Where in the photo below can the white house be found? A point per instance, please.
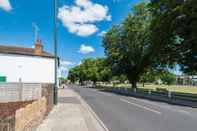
(28, 65)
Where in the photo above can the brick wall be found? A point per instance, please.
(7, 123)
(16, 116)
(7, 114)
(47, 92)
(25, 115)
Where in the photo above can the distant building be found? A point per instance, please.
(28, 65)
(187, 80)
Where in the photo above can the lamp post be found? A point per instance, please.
(55, 50)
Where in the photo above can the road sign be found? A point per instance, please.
(2, 78)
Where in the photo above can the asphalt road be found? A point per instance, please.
(121, 113)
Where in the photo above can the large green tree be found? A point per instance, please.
(174, 27)
(128, 45)
(91, 70)
(77, 74)
(104, 70)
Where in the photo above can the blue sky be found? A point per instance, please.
(80, 27)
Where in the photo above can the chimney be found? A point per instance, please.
(38, 50)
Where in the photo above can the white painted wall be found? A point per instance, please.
(30, 69)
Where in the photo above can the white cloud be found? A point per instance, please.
(85, 49)
(82, 17)
(102, 33)
(5, 5)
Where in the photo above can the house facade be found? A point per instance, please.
(187, 80)
(27, 65)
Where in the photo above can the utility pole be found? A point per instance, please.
(55, 50)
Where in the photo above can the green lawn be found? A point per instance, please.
(174, 88)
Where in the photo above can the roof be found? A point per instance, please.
(23, 51)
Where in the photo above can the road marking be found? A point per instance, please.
(151, 102)
(184, 112)
(94, 114)
(107, 94)
(169, 107)
(140, 106)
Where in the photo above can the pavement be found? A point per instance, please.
(71, 114)
(123, 113)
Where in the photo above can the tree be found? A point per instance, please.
(77, 74)
(167, 77)
(128, 46)
(174, 27)
(91, 70)
(62, 80)
(149, 76)
(104, 70)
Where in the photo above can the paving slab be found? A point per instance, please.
(71, 114)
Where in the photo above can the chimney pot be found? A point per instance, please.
(38, 47)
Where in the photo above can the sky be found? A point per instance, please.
(81, 24)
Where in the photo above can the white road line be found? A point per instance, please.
(150, 103)
(169, 107)
(107, 94)
(184, 112)
(140, 106)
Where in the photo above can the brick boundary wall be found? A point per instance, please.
(27, 111)
(47, 92)
(7, 123)
(25, 115)
(7, 114)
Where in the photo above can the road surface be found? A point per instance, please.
(121, 113)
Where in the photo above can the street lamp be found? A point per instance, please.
(55, 50)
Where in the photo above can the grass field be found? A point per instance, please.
(174, 88)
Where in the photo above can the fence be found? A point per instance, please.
(22, 103)
(13, 92)
(185, 99)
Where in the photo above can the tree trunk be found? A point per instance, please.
(133, 80)
(134, 84)
(94, 83)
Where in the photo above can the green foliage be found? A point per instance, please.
(168, 78)
(62, 80)
(154, 36)
(76, 74)
(175, 28)
(165, 76)
(91, 70)
(120, 79)
(128, 46)
(149, 77)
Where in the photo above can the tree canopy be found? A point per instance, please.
(128, 46)
(91, 70)
(155, 36)
(174, 26)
